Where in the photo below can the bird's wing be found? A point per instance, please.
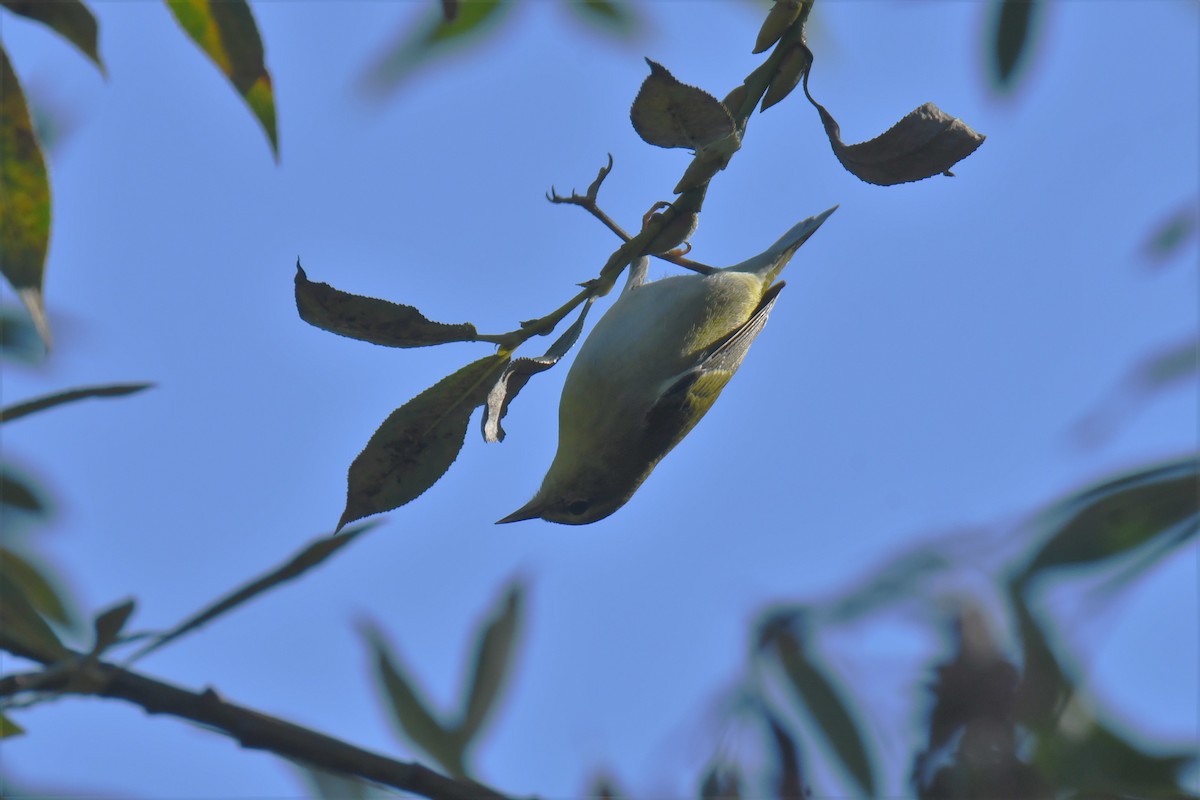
(694, 392)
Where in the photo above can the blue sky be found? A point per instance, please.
(919, 377)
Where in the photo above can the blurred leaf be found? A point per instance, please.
(1177, 362)
(1171, 234)
(432, 36)
(70, 19)
(25, 224)
(614, 17)
(783, 15)
(418, 442)
(22, 629)
(490, 666)
(450, 9)
(109, 624)
(815, 691)
(900, 578)
(604, 787)
(789, 777)
(314, 554)
(225, 30)
(38, 588)
(70, 396)
(17, 493)
(415, 721)
(1014, 23)
(794, 65)
(371, 320)
(721, 781)
(9, 728)
(19, 339)
(518, 373)
(668, 113)
(1044, 689)
(1117, 516)
(926, 142)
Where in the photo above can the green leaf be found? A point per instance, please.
(613, 17)
(22, 629)
(8, 727)
(829, 711)
(25, 223)
(370, 320)
(1014, 23)
(490, 666)
(418, 442)
(17, 493)
(38, 589)
(316, 553)
(1044, 688)
(411, 714)
(109, 624)
(70, 19)
(432, 36)
(1171, 234)
(788, 781)
(1118, 516)
(225, 30)
(69, 396)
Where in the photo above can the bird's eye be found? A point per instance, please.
(578, 507)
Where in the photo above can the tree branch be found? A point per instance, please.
(249, 728)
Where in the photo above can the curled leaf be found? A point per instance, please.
(225, 30)
(371, 320)
(1014, 23)
(490, 666)
(781, 17)
(518, 373)
(926, 142)
(70, 19)
(668, 113)
(792, 67)
(418, 442)
(25, 223)
(70, 396)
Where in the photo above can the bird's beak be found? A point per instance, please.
(771, 261)
(531, 510)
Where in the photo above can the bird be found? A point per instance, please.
(650, 369)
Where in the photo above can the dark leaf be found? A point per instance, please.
(25, 223)
(413, 718)
(518, 373)
(22, 629)
(1177, 362)
(789, 776)
(925, 143)
(490, 665)
(313, 555)
(38, 588)
(415, 446)
(1171, 234)
(8, 727)
(604, 787)
(721, 781)
(70, 19)
(1044, 688)
(667, 113)
(228, 35)
(1013, 25)
(608, 16)
(19, 338)
(450, 9)
(433, 35)
(783, 15)
(829, 711)
(69, 396)
(371, 320)
(1118, 516)
(17, 493)
(109, 624)
(792, 67)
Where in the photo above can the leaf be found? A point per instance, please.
(418, 442)
(17, 493)
(1171, 234)
(19, 338)
(1118, 516)
(518, 373)
(225, 30)
(22, 629)
(793, 66)
(1013, 26)
(70, 19)
(607, 16)
(783, 15)
(334, 786)
(69, 396)
(371, 320)
(789, 777)
(926, 142)
(814, 689)
(25, 224)
(490, 665)
(314, 554)
(8, 727)
(1044, 688)
(721, 781)
(432, 36)
(109, 624)
(415, 721)
(39, 590)
(667, 113)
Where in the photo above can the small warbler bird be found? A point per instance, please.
(650, 369)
